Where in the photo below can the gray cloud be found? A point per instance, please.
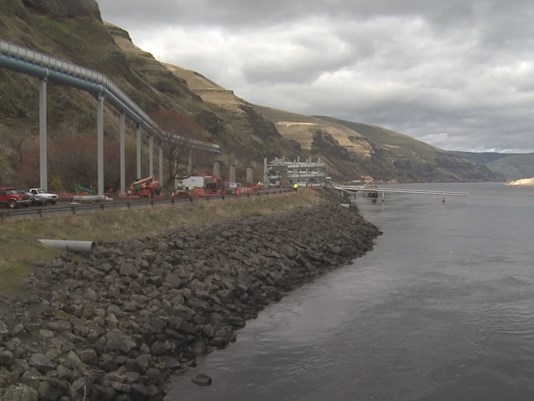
(257, 13)
(456, 74)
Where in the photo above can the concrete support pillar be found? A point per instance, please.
(265, 178)
(250, 178)
(231, 177)
(151, 156)
(122, 152)
(100, 143)
(43, 158)
(160, 173)
(138, 147)
(217, 169)
(284, 180)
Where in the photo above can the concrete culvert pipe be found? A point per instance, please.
(70, 246)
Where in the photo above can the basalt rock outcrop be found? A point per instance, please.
(114, 325)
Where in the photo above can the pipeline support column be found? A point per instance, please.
(100, 143)
(160, 164)
(232, 177)
(151, 156)
(250, 178)
(138, 143)
(43, 158)
(217, 169)
(122, 140)
(265, 177)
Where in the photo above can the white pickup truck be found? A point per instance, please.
(42, 197)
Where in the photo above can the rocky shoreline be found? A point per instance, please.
(116, 323)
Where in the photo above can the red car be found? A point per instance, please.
(11, 197)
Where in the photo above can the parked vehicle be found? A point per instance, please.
(42, 197)
(203, 185)
(191, 182)
(12, 198)
(31, 197)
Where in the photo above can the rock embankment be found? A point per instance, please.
(115, 324)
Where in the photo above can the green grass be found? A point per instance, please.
(20, 249)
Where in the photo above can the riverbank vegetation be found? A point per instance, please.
(20, 248)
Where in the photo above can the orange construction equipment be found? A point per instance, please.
(146, 187)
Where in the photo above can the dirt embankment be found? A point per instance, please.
(115, 324)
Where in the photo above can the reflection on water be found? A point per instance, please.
(442, 309)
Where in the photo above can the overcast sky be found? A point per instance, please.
(457, 74)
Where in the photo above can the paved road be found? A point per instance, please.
(65, 208)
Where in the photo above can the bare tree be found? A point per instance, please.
(16, 152)
(178, 131)
(5, 166)
(16, 141)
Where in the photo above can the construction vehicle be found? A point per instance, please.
(84, 189)
(203, 185)
(193, 181)
(146, 187)
(215, 186)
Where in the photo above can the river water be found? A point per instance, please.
(441, 309)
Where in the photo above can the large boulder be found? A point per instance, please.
(42, 362)
(20, 392)
(118, 341)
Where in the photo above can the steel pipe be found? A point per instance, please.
(69, 245)
(40, 65)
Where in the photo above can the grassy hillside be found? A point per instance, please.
(248, 129)
(513, 167)
(508, 166)
(73, 30)
(481, 157)
(375, 151)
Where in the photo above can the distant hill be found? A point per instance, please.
(513, 167)
(375, 151)
(73, 30)
(480, 157)
(510, 166)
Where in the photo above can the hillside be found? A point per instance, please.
(510, 166)
(375, 151)
(481, 157)
(349, 152)
(243, 135)
(513, 167)
(73, 30)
